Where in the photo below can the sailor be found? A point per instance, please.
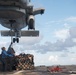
(5, 55)
(11, 50)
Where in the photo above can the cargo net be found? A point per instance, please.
(25, 62)
(19, 62)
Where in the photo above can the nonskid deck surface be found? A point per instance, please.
(36, 71)
(31, 73)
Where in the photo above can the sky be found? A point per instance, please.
(56, 44)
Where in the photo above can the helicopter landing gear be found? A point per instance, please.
(15, 40)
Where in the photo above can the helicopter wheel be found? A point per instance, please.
(15, 40)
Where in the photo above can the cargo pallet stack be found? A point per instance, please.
(20, 62)
(25, 62)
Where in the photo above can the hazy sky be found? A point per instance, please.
(57, 41)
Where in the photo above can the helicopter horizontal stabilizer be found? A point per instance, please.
(22, 33)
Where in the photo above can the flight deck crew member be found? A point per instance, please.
(5, 55)
(11, 50)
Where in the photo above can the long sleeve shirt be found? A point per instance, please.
(9, 47)
(11, 50)
(5, 54)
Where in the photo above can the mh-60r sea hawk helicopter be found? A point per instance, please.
(16, 15)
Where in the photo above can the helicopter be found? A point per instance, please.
(16, 15)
